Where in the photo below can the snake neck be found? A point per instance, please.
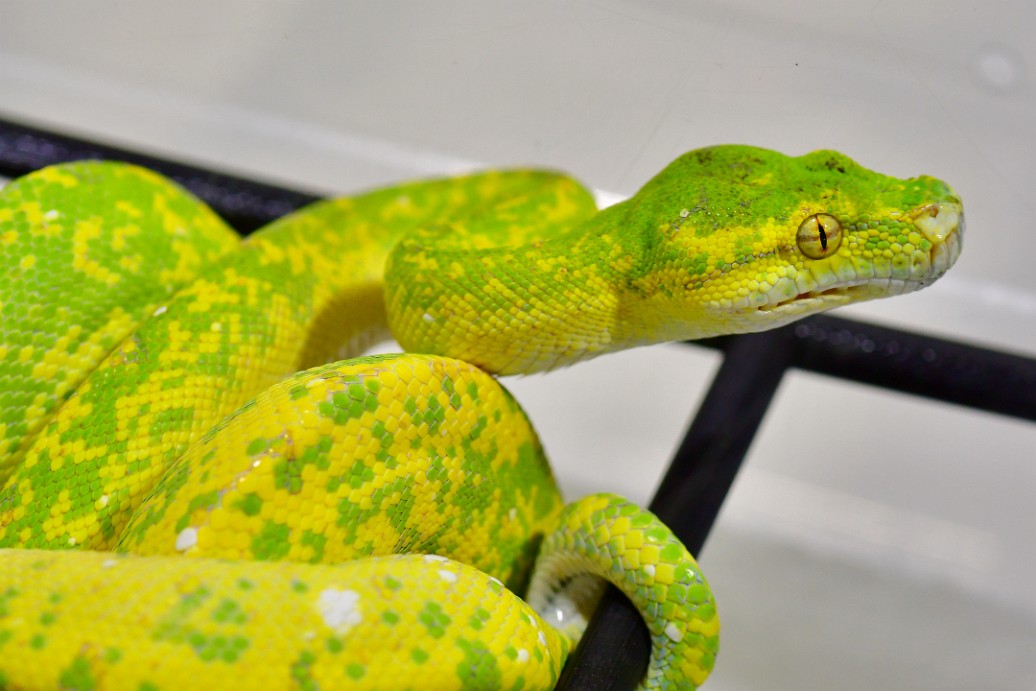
(542, 305)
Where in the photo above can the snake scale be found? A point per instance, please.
(201, 490)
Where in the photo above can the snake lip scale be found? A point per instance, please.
(196, 493)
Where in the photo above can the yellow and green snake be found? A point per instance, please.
(193, 497)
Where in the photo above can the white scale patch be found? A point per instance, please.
(433, 557)
(340, 609)
(523, 655)
(187, 538)
(674, 633)
(447, 576)
(160, 311)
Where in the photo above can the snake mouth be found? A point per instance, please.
(814, 300)
(839, 281)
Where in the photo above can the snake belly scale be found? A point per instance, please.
(192, 497)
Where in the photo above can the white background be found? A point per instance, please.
(874, 540)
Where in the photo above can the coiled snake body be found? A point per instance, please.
(364, 523)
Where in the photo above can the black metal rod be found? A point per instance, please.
(935, 368)
(613, 653)
(245, 204)
(700, 474)
(939, 369)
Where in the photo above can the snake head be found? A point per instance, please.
(746, 239)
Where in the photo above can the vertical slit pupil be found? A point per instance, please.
(823, 235)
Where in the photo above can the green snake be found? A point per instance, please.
(192, 496)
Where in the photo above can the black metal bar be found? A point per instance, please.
(940, 369)
(245, 204)
(935, 368)
(700, 474)
(613, 653)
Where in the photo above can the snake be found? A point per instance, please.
(207, 484)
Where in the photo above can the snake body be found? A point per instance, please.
(364, 523)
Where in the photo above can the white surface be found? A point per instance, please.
(874, 541)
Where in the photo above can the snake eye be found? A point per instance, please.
(819, 236)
